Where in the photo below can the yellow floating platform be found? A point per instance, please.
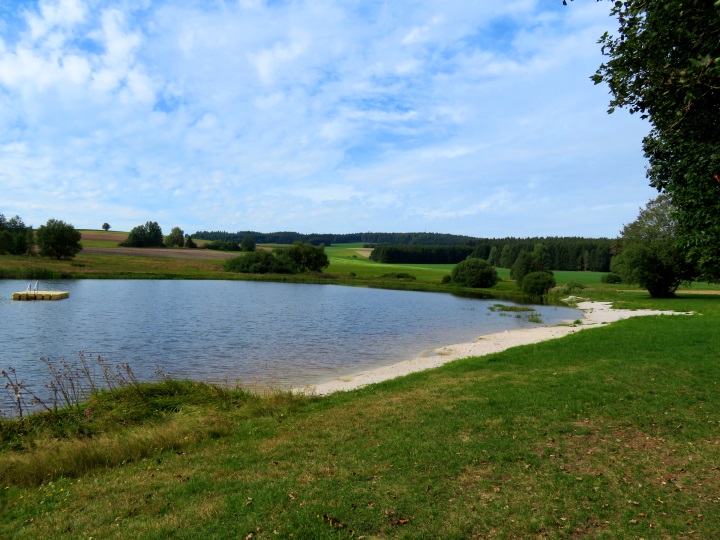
(40, 295)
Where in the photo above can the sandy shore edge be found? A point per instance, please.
(595, 314)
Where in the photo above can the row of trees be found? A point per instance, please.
(300, 257)
(54, 239)
(556, 253)
(286, 237)
(150, 235)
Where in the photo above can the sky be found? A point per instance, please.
(315, 116)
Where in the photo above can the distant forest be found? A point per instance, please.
(284, 237)
(591, 254)
(565, 253)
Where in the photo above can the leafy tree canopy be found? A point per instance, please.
(537, 283)
(476, 273)
(664, 64)
(176, 238)
(248, 243)
(15, 236)
(58, 239)
(525, 264)
(648, 252)
(148, 235)
(306, 257)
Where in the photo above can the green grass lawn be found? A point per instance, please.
(607, 433)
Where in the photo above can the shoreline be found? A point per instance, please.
(595, 314)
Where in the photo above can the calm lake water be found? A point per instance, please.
(255, 333)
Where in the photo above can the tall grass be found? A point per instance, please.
(105, 417)
(32, 273)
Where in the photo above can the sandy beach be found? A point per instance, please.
(595, 314)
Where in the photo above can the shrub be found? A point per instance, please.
(261, 262)
(611, 277)
(400, 275)
(306, 257)
(475, 273)
(537, 283)
(446, 279)
(525, 264)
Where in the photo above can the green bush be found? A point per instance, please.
(148, 235)
(525, 264)
(475, 273)
(261, 262)
(400, 275)
(611, 277)
(537, 283)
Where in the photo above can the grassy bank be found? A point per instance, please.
(608, 433)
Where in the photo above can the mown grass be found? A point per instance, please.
(607, 433)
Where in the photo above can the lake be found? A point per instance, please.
(279, 334)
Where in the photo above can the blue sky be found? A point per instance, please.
(325, 116)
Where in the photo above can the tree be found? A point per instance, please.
(475, 273)
(648, 252)
(525, 264)
(493, 256)
(261, 262)
(306, 257)
(537, 283)
(106, 227)
(58, 239)
(148, 235)
(543, 255)
(15, 236)
(176, 238)
(190, 243)
(248, 243)
(665, 65)
(506, 256)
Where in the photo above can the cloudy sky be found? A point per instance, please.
(327, 116)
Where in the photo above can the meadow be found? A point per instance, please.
(608, 433)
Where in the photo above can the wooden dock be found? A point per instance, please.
(40, 295)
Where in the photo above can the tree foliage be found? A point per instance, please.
(58, 239)
(648, 252)
(15, 236)
(300, 257)
(306, 257)
(665, 65)
(525, 264)
(106, 227)
(537, 283)
(248, 243)
(475, 273)
(176, 238)
(261, 262)
(148, 235)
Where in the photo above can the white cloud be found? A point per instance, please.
(315, 115)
